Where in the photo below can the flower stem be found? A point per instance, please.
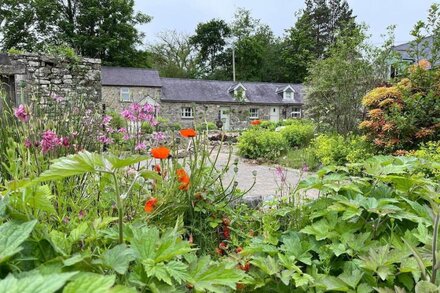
(120, 209)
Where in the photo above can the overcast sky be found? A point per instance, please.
(184, 15)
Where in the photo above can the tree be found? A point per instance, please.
(315, 32)
(211, 39)
(336, 85)
(173, 55)
(103, 29)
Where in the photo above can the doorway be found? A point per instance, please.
(275, 114)
(225, 118)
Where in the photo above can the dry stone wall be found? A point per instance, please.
(38, 75)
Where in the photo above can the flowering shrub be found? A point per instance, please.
(260, 143)
(406, 114)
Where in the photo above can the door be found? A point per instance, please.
(225, 118)
(274, 114)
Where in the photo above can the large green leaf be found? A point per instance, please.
(118, 258)
(12, 235)
(90, 283)
(77, 164)
(205, 275)
(118, 163)
(426, 287)
(40, 199)
(35, 283)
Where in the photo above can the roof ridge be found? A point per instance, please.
(130, 68)
(229, 81)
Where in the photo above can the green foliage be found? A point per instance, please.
(206, 126)
(90, 27)
(35, 282)
(338, 150)
(299, 158)
(298, 133)
(258, 143)
(12, 235)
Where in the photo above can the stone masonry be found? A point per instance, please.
(39, 75)
(111, 96)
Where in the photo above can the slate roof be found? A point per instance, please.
(405, 49)
(126, 76)
(215, 91)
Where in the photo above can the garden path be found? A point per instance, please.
(267, 183)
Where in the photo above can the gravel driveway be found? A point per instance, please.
(267, 183)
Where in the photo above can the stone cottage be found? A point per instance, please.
(25, 75)
(193, 101)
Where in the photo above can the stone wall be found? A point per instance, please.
(39, 75)
(111, 96)
(238, 113)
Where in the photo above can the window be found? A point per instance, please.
(288, 95)
(125, 94)
(296, 113)
(187, 112)
(253, 113)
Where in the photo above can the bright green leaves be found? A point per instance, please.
(35, 283)
(85, 162)
(118, 258)
(12, 235)
(78, 164)
(90, 283)
(209, 276)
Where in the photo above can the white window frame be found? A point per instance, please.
(187, 113)
(296, 113)
(253, 115)
(124, 94)
(289, 95)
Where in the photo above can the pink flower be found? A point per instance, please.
(49, 141)
(122, 130)
(22, 114)
(106, 120)
(137, 112)
(158, 137)
(65, 141)
(281, 173)
(140, 147)
(105, 140)
(56, 97)
(28, 143)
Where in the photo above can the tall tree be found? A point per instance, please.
(315, 32)
(103, 29)
(336, 85)
(211, 39)
(173, 55)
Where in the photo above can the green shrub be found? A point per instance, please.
(261, 143)
(206, 126)
(267, 124)
(147, 128)
(298, 132)
(335, 149)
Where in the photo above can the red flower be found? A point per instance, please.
(160, 152)
(246, 267)
(157, 169)
(223, 245)
(150, 205)
(226, 232)
(239, 249)
(256, 122)
(183, 178)
(189, 132)
(218, 251)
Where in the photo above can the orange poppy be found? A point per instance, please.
(189, 132)
(150, 205)
(160, 152)
(183, 178)
(256, 122)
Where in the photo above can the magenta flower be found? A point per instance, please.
(65, 141)
(158, 137)
(105, 140)
(106, 120)
(281, 173)
(22, 114)
(305, 168)
(140, 147)
(57, 98)
(28, 143)
(49, 141)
